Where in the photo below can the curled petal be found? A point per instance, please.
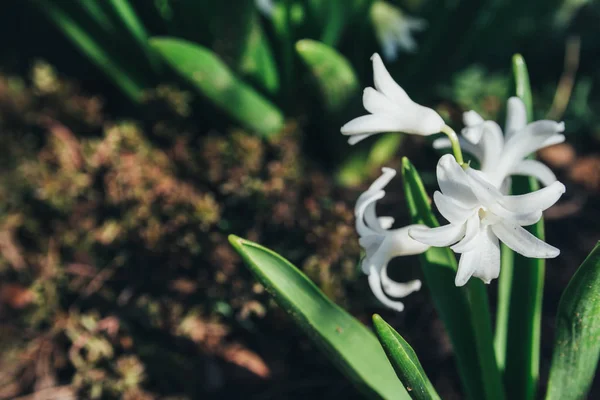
(538, 200)
(363, 228)
(535, 169)
(472, 230)
(454, 182)
(398, 289)
(489, 248)
(441, 236)
(467, 265)
(552, 140)
(516, 116)
(453, 212)
(375, 284)
(523, 242)
(352, 140)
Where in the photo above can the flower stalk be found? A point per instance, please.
(456, 150)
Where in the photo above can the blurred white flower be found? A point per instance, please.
(480, 215)
(266, 7)
(501, 156)
(381, 244)
(394, 29)
(391, 110)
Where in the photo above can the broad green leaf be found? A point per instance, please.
(212, 78)
(464, 311)
(350, 345)
(332, 72)
(129, 83)
(405, 361)
(577, 343)
(518, 321)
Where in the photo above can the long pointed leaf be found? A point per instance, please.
(352, 347)
(518, 331)
(577, 344)
(405, 361)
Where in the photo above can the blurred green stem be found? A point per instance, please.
(287, 53)
(455, 144)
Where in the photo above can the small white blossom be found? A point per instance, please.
(501, 156)
(381, 244)
(266, 7)
(480, 215)
(391, 110)
(394, 29)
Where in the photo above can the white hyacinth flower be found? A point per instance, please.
(394, 29)
(266, 7)
(480, 215)
(391, 110)
(381, 244)
(501, 156)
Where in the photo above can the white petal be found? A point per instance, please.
(467, 265)
(352, 140)
(523, 242)
(535, 169)
(516, 116)
(398, 289)
(375, 284)
(538, 200)
(489, 264)
(473, 126)
(363, 227)
(552, 140)
(453, 212)
(470, 240)
(386, 222)
(491, 143)
(399, 242)
(453, 181)
(386, 84)
(491, 198)
(376, 255)
(376, 103)
(375, 123)
(441, 236)
(473, 149)
(526, 141)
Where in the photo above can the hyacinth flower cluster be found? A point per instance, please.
(476, 202)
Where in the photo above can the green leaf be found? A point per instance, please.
(577, 343)
(99, 54)
(257, 61)
(518, 321)
(332, 72)
(464, 311)
(131, 24)
(350, 345)
(405, 361)
(212, 78)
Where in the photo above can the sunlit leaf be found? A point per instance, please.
(351, 346)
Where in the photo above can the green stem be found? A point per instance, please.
(455, 144)
(484, 339)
